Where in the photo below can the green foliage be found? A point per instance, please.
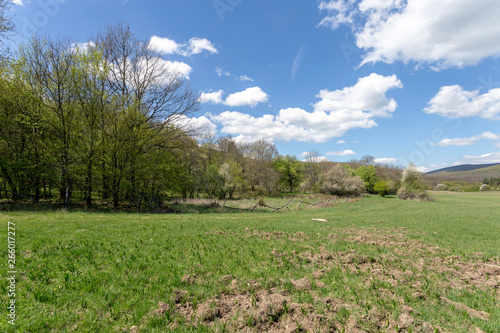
(369, 176)
(382, 188)
(290, 170)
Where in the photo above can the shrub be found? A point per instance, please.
(441, 187)
(485, 187)
(382, 188)
(416, 195)
(339, 181)
(412, 186)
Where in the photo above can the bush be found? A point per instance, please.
(441, 187)
(382, 188)
(412, 186)
(339, 181)
(416, 195)
(485, 187)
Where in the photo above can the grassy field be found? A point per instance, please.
(375, 265)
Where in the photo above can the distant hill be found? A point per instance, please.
(463, 167)
(467, 173)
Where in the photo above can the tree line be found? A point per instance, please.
(108, 121)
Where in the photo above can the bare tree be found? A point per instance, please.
(148, 93)
(259, 155)
(6, 26)
(312, 170)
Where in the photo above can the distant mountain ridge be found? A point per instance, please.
(462, 168)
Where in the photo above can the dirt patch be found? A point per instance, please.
(162, 308)
(262, 311)
(302, 284)
(295, 237)
(473, 313)
(189, 279)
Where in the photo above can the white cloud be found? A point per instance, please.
(483, 159)
(341, 153)
(212, 97)
(250, 96)
(221, 71)
(336, 113)
(164, 45)
(386, 160)
(155, 71)
(196, 126)
(497, 144)
(423, 169)
(489, 136)
(305, 158)
(194, 46)
(179, 67)
(198, 45)
(340, 142)
(457, 142)
(244, 78)
(18, 2)
(467, 141)
(454, 102)
(339, 12)
(439, 33)
(82, 47)
(366, 98)
(268, 127)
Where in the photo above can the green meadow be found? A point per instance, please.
(375, 265)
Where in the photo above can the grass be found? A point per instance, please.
(378, 261)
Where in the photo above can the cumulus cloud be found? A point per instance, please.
(340, 142)
(179, 67)
(417, 30)
(268, 127)
(194, 46)
(346, 152)
(198, 45)
(18, 2)
(248, 97)
(337, 112)
(196, 126)
(366, 96)
(164, 45)
(454, 102)
(386, 160)
(212, 97)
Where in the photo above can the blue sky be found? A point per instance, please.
(402, 80)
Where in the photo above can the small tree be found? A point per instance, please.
(290, 169)
(412, 186)
(382, 188)
(369, 176)
(338, 181)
